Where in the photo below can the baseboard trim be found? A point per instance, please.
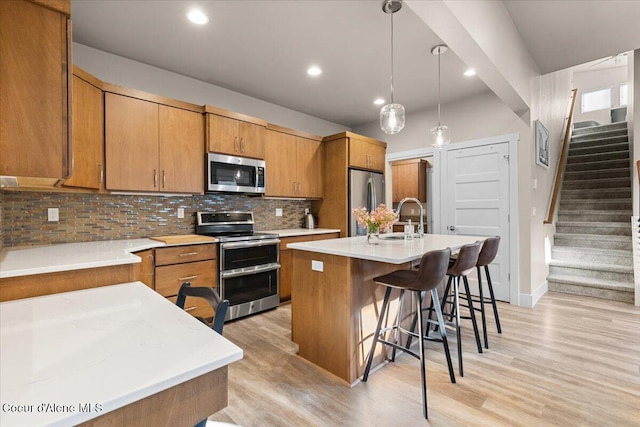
(530, 300)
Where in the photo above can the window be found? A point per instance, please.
(624, 90)
(599, 99)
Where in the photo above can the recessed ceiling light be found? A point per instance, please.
(470, 72)
(197, 17)
(378, 101)
(314, 70)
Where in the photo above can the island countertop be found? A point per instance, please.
(107, 347)
(393, 251)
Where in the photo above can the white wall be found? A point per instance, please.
(550, 100)
(586, 81)
(136, 75)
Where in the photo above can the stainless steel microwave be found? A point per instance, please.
(235, 174)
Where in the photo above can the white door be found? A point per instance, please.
(476, 203)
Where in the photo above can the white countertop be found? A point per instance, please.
(24, 261)
(109, 346)
(302, 231)
(390, 251)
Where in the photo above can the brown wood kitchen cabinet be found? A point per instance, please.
(409, 179)
(196, 264)
(152, 146)
(366, 153)
(234, 133)
(87, 124)
(35, 41)
(341, 152)
(286, 260)
(294, 164)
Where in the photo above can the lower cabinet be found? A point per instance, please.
(196, 264)
(286, 260)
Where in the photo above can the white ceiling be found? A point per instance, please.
(263, 48)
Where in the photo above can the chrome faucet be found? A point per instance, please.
(421, 224)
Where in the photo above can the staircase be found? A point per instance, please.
(592, 254)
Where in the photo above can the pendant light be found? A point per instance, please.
(391, 115)
(439, 135)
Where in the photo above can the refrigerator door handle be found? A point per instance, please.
(371, 195)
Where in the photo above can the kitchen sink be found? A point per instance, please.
(394, 236)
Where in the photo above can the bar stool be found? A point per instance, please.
(460, 267)
(487, 255)
(433, 267)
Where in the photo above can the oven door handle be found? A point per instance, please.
(236, 245)
(229, 274)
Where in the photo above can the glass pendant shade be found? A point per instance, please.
(392, 118)
(440, 136)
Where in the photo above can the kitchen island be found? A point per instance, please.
(114, 355)
(335, 303)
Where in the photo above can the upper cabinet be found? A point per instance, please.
(294, 162)
(366, 153)
(235, 134)
(152, 146)
(35, 44)
(409, 179)
(87, 130)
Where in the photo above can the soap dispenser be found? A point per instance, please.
(408, 230)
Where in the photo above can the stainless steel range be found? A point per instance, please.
(248, 262)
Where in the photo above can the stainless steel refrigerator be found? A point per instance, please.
(366, 189)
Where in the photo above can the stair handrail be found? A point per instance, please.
(568, 122)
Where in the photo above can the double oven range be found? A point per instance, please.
(248, 262)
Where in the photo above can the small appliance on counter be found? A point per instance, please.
(310, 221)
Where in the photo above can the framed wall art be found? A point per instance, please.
(542, 144)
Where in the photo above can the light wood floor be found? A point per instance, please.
(570, 361)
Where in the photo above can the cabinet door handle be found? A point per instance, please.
(181, 279)
(236, 148)
(242, 145)
(155, 178)
(164, 179)
(101, 173)
(188, 254)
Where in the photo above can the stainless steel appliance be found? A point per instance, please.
(235, 174)
(248, 262)
(366, 189)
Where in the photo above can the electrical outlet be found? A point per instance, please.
(306, 211)
(535, 184)
(53, 215)
(180, 212)
(534, 211)
(278, 211)
(413, 211)
(317, 265)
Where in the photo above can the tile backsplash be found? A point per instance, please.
(88, 217)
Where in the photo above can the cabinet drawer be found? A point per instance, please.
(196, 307)
(295, 239)
(189, 253)
(169, 278)
(326, 236)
